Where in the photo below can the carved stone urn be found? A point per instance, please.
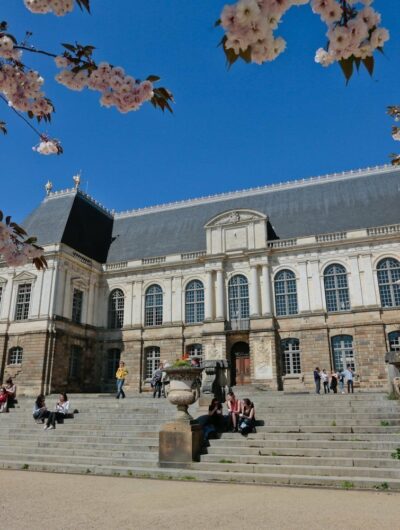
(184, 389)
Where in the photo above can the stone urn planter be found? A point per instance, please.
(184, 389)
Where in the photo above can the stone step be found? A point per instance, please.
(308, 444)
(122, 444)
(329, 429)
(327, 436)
(300, 470)
(303, 460)
(225, 452)
(84, 460)
(331, 422)
(100, 438)
(191, 475)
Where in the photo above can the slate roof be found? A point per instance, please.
(314, 206)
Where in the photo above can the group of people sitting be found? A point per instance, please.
(241, 417)
(334, 380)
(8, 395)
(42, 415)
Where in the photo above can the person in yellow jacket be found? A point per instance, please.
(122, 372)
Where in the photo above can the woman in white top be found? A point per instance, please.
(58, 415)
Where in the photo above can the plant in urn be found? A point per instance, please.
(184, 387)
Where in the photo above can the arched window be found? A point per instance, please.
(285, 293)
(388, 271)
(343, 353)
(194, 302)
(394, 341)
(336, 288)
(153, 306)
(290, 350)
(238, 294)
(116, 305)
(113, 358)
(15, 355)
(151, 361)
(195, 352)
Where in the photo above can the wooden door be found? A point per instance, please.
(242, 369)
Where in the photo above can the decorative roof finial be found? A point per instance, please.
(77, 179)
(48, 187)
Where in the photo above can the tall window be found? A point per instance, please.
(388, 271)
(194, 302)
(285, 293)
(343, 353)
(75, 361)
(113, 358)
(23, 301)
(238, 294)
(77, 302)
(336, 288)
(151, 361)
(195, 352)
(290, 350)
(394, 341)
(153, 312)
(116, 309)
(15, 355)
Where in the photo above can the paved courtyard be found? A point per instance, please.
(68, 502)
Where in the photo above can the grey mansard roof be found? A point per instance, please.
(313, 206)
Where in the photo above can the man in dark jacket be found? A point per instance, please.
(317, 380)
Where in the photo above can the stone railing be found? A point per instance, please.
(282, 243)
(116, 266)
(193, 255)
(383, 230)
(82, 259)
(152, 261)
(238, 324)
(335, 236)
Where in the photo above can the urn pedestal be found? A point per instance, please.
(180, 440)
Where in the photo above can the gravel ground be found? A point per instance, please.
(67, 502)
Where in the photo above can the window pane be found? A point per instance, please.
(116, 309)
(290, 350)
(285, 293)
(194, 302)
(336, 289)
(23, 301)
(238, 294)
(15, 356)
(152, 361)
(343, 354)
(153, 313)
(388, 272)
(77, 302)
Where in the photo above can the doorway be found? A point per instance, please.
(240, 364)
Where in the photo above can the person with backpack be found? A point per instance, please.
(156, 381)
(317, 380)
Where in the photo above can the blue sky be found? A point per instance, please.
(249, 126)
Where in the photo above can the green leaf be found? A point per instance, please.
(69, 47)
(369, 63)
(347, 67)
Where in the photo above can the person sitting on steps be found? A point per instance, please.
(59, 414)
(234, 408)
(247, 418)
(3, 400)
(215, 419)
(40, 412)
(11, 390)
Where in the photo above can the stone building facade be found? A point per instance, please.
(274, 281)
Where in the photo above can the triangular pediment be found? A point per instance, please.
(232, 217)
(24, 277)
(3, 280)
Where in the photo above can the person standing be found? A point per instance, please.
(349, 376)
(3, 400)
(156, 381)
(334, 382)
(122, 372)
(325, 380)
(341, 382)
(11, 390)
(317, 380)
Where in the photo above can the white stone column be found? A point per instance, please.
(266, 291)
(6, 302)
(36, 295)
(315, 285)
(67, 312)
(177, 313)
(303, 295)
(356, 299)
(220, 309)
(208, 296)
(368, 277)
(59, 289)
(167, 317)
(254, 293)
(137, 304)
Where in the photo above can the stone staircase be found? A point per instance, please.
(334, 440)
(327, 440)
